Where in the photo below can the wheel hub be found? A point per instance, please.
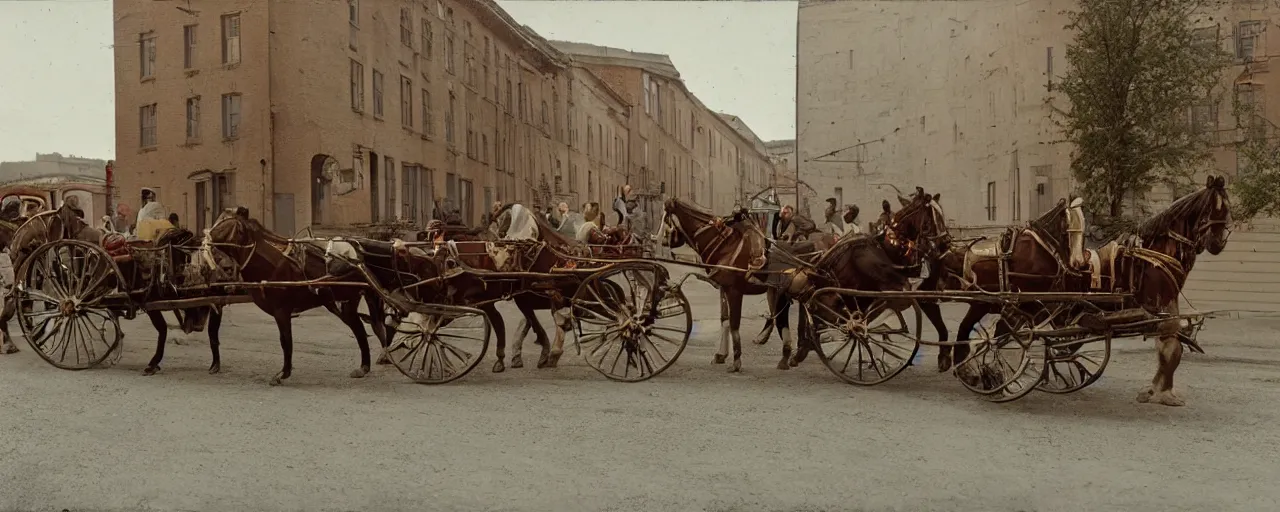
(67, 307)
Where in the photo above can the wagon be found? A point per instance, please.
(630, 322)
(1053, 342)
(70, 295)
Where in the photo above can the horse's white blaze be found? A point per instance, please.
(724, 337)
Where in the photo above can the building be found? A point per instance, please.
(955, 97)
(679, 147)
(52, 178)
(379, 110)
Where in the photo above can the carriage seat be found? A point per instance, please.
(984, 250)
(118, 247)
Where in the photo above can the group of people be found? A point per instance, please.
(790, 226)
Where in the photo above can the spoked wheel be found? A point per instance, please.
(1072, 364)
(64, 290)
(631, 326)
(438, 344)
(1006, 361)
(868, 341)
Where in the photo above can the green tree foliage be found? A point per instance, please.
(1256, 190)
(1135, 69)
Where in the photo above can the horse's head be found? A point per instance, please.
(919, 229)
(1213, 225)
(1199, 221)
(233, 233)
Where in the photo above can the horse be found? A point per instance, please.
(909, 238)
(1193, 224)
(1045, 255)
(263, 256)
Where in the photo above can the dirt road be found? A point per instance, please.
(695, 438)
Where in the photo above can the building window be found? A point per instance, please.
(353, 19)
(428, 124)
(484, 148)
(471, 136)
(389, 170)
(147, 126)
(193, 119)
(357, 86)
(189, 46)
(991, 200)
(1248, 39)
(377, 94)
(647, 87)
(1252, 111)
(448, 53)
(1204, 117)
(230, 116)
(427, 43)
(406, 28)
(147, 56)
(448, 119)
(1205, 38)
(231, 39)
(406, 102)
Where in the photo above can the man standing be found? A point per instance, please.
(789, 227)
(834, 224)
(620, 204)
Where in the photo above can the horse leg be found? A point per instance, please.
(1168, 357)
(284, 323)
(10, 306)
(500, 332)
(782, 319)
(933, 312)
(734, 299)
(215, 324)
(805, 344)
(350, 315)
(723, 351)
(960, 351)
(772, 299)
(377, 319)
(517, 348)
(561, 317)
(162, 333)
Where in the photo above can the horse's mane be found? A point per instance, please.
(1194, 203)
(1047, 223)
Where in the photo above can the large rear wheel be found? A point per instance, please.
(66, 291)
(865, 341)
(631, 325)
(437, 344)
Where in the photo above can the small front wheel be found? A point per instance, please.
(631, 325)
(437, 344)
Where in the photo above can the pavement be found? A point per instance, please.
(695, 438)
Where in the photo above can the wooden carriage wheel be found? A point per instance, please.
(630, 325)
(865, 342)
(436, 344)
(1007, 359)
(1074, 363)
(66, 296)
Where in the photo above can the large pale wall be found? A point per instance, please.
(956, 91)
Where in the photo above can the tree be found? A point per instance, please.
(1256, 190)
(1135, 70)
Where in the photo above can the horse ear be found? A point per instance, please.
(937, 197)
(1208, 182)
(1219, 182)
(885, 205)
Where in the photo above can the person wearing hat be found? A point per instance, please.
(851, 220)
(834, 224)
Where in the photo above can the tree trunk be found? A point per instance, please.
(1117, 204)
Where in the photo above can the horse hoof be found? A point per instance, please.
(278, 379)
(784, 365)
(794, 362)
(498, 367)
(553, 360)
(359, 372)
(719, 359)
(1162, 398)
(517, 362)
(10, 349)
(761, 341)
(213, 369)
(799, 358)
(735, 367)
(384, 359)
(150, 370)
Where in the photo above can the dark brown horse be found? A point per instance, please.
(264, 256)
(1045, 255)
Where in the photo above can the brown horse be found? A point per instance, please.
(263, 256)
(1046, 255)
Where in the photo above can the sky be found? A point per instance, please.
(56, 87)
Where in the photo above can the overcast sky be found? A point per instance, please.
(56, 85)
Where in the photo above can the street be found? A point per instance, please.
(694, 438)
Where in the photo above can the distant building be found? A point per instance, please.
(341, 112)
(680, 148)
(50, 179)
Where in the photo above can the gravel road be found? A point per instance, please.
(695, 438)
